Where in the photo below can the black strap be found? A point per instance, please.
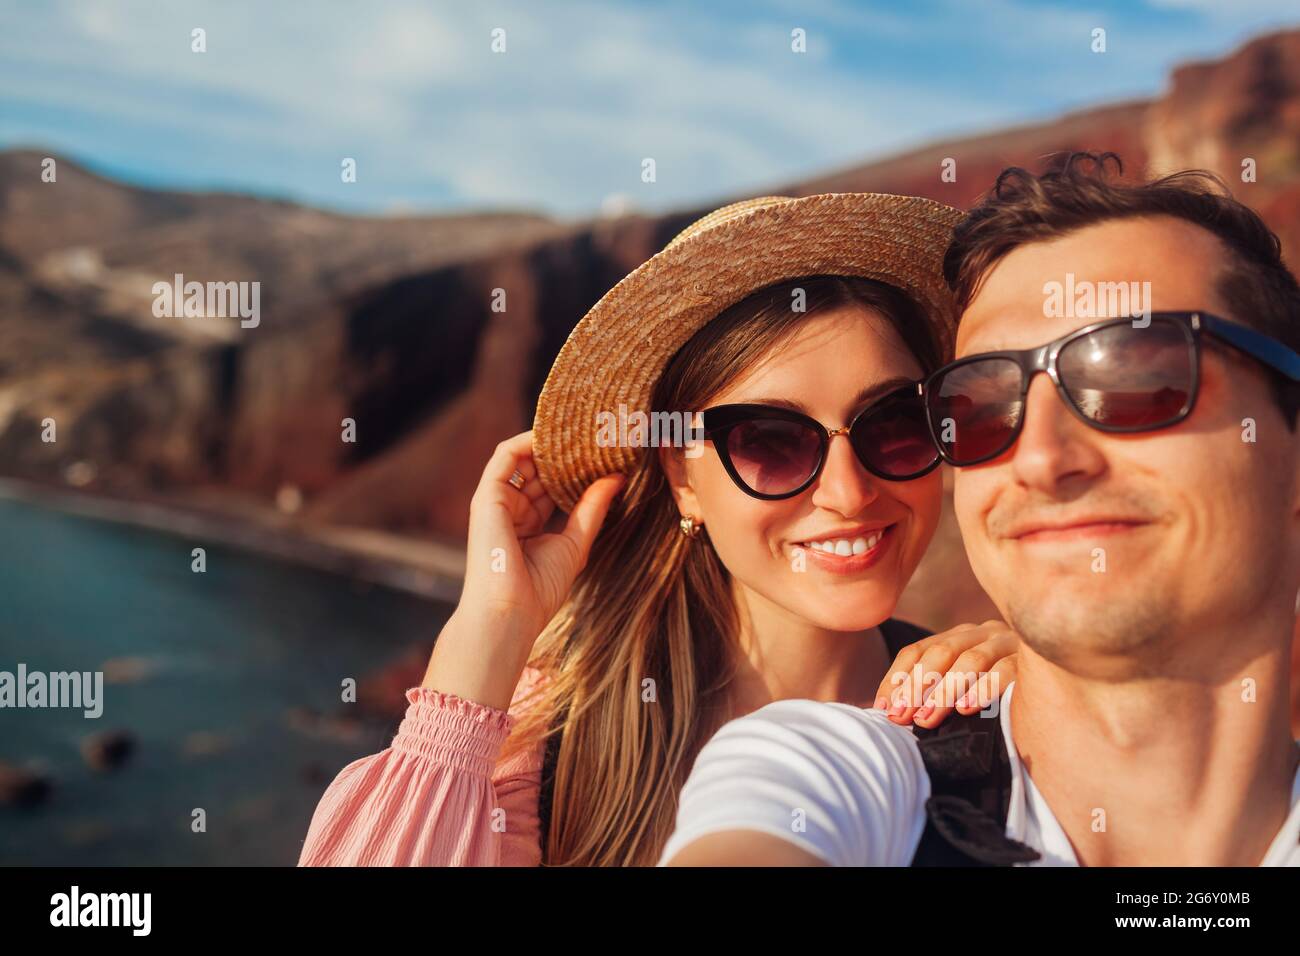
(898, 634)
(970, 793)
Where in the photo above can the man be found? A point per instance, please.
(1130, 500)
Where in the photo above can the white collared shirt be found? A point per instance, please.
(848, 786)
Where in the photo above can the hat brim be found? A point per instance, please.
(617, 352)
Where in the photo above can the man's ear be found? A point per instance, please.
(673, 461)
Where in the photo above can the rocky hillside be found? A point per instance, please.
(389, 321)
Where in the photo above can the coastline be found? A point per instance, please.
(429, 569)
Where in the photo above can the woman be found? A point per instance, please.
(761, 565)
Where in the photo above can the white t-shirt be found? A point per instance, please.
(848, 786)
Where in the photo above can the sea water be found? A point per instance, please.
(222, 658)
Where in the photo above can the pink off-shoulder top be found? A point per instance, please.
(439, 795)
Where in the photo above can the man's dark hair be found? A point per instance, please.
(1078, 190)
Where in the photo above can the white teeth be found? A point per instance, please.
(844, 547)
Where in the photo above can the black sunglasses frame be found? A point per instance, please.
(1194, 325)
(721, 419)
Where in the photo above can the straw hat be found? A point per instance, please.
(616, 354)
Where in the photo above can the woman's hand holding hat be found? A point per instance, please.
(516, 576)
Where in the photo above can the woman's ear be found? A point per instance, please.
(673, 461)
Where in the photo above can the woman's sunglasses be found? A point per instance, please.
(1116, 376)
(774, 453)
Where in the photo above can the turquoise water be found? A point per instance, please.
(227, 654)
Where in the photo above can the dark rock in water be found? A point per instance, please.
(108, 750)
(23, 787)
(314, 774)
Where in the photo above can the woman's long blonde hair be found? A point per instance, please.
(639, 659)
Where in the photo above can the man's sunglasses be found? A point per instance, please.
(774, 453)
(1116, 376)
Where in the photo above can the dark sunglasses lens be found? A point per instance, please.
(893, 440)
(1127, 377)
(975, 409)
(773, 457)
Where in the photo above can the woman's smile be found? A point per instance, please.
(850, 552)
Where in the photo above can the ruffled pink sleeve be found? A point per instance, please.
(438, 796)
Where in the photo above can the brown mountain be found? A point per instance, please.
(389, 321)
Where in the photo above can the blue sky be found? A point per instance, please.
(585, 90)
